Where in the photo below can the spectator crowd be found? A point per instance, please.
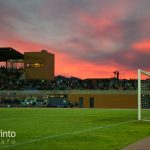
(10, 80)
(15, 100)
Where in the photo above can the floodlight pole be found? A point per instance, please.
(139, 94)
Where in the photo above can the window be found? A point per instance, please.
(35, 65)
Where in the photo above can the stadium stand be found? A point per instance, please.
(10, 80)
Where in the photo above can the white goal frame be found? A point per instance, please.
(140, 72)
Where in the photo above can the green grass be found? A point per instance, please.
(72, 129)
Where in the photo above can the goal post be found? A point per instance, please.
(143, 95)
(139, 94)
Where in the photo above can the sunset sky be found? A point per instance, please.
(90, 38)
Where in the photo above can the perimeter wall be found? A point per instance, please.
(88, 98)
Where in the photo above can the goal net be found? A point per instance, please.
(143, 95)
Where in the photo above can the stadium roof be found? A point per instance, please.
(8, 53)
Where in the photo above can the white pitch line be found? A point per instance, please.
(68, 133)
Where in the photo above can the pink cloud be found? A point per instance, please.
(142, 46)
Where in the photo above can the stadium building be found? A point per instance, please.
(29, 80)
(39, 65)
(35, 65)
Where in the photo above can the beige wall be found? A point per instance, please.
(107, 100)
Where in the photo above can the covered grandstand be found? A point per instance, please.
(11, 57)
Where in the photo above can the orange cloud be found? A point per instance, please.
(143, 46)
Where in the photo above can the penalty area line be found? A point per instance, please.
(67, 133)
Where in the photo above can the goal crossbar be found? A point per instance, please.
(144, 72)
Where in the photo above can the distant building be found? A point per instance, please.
(39, 65)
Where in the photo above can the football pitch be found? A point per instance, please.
(71, 129)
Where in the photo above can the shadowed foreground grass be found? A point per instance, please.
(71, 129)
